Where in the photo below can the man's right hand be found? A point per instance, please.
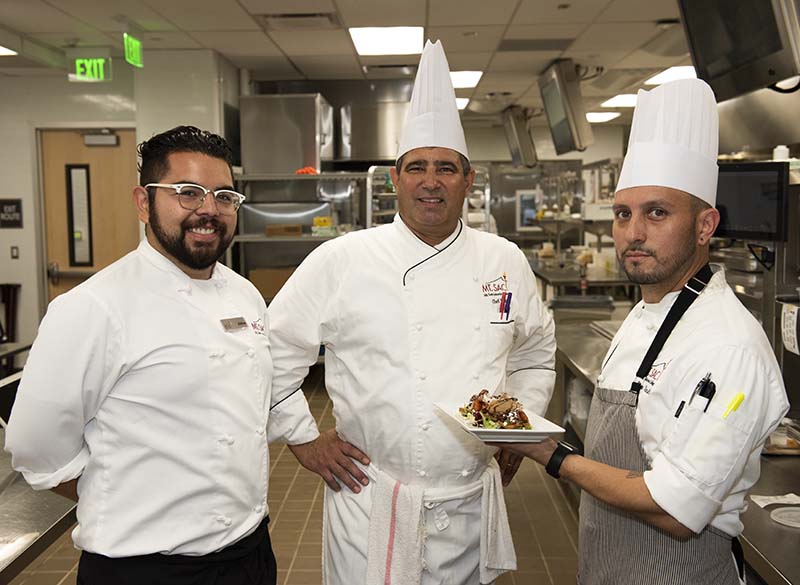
(332, 458)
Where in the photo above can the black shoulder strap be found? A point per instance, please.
(691, 290)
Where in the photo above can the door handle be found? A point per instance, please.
(55, 274)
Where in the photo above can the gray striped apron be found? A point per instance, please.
(616, 547)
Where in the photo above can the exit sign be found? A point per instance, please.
(133, 50)
(92, 69)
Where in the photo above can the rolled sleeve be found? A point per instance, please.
(703, 459)
(679, 496)
(71, 368)
(291, 421)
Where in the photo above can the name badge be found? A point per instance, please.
(233, 324)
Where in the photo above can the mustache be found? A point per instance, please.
(638, 248)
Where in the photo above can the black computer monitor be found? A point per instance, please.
(752, 199)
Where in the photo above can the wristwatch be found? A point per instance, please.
(563, 450)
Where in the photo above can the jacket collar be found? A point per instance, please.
(183, 282)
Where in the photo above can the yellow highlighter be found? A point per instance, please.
(734, 404)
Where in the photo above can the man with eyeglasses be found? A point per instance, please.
(146, 393)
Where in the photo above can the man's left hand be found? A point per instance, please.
(509, 464)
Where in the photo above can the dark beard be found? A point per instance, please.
(665, 268)
(198, 258)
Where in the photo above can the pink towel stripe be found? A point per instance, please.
(392, 524)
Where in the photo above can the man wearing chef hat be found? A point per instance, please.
(689, 389)
(420, 311)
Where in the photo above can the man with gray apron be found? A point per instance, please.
(690, 387)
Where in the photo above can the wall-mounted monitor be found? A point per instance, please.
(520, 142)
(563, 107)
(752, 199)
(741, 46)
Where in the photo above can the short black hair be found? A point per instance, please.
(155, 152)
(465, 166)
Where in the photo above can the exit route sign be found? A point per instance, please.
(133, 50)
(93, 69)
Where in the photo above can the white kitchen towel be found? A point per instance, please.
(394, 555)
(497, 547)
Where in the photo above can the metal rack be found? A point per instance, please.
(381, 198)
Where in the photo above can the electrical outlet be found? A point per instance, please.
(14, 252)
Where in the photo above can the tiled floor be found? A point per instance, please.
(543, 523)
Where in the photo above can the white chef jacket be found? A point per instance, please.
(134, 385)
(405, 325)
(701, 464)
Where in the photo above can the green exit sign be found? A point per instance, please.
(91, 69)
(133, 50)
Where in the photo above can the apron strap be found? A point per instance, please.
(691, 290)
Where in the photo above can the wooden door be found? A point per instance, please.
(90, 219)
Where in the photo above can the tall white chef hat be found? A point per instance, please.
(432, 118)
(674, 140)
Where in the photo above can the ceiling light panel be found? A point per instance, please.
(5, 52)
(387, 40)
(672, 74)
(465, 79)
(600, 117)
(623, 100)
(462, 103)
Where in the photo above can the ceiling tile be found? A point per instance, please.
(64, 40)
(547, 11)
(329, 67)
(545, 31)
(530, 100)
(466, 38)
(243, 44)
(468, 61)
(514, 84)
(467, 12)
(464, 92)
(530, 62)
(382, 12)
(288, 6)
(641, 60)
(317, 42)
(171, 40)
(615, 36)
(35, 16)
(32, 72)
(389, 60)
(605, 59)
(267, 68)
(114, 15)
(216, 15)
(637, 10)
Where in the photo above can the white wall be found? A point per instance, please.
(28, 103)
(489, 144)
(177, 88)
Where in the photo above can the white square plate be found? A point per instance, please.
(542, 428)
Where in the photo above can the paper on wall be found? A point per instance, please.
(789, 328)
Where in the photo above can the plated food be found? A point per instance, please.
(497, 411)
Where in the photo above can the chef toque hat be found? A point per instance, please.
(674, 140)
(432, 119)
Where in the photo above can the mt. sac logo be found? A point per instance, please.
(495, 287)
(258, 327)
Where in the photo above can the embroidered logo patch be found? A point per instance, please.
(495, 287)
(258, 327)
(652, 377)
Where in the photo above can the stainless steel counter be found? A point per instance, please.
(562, 273)
(771, 550)
(30, 521)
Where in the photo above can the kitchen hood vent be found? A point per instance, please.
(389, 71)
(300, 21)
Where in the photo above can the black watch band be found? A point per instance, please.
(563, 449)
